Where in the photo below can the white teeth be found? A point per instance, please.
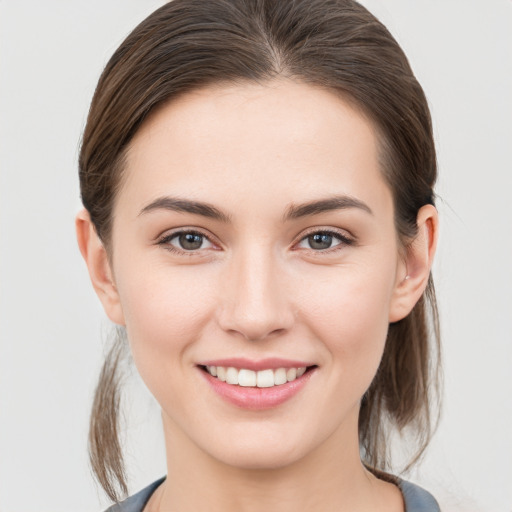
(291, 374)
(265, 379)
(280, 376)
(261, 379)
(246, 378)
(232, 375)
(221, 372)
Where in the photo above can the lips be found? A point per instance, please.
(257, 385)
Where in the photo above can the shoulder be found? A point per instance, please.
(416, 498)
(137, 502)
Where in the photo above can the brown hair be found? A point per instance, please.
(335, 44)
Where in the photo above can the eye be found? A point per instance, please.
(186, 241)
(323, 240)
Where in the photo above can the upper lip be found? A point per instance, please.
(269, 363)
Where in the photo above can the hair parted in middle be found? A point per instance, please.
(337, 45)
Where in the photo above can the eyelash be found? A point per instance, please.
(166, 239)
(343, 239)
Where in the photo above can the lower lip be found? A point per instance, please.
(257, 398)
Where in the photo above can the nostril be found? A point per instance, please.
(255, 308)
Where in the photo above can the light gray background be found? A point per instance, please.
(52, 327)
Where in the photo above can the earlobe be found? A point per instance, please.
(98, 264)
(413, 275)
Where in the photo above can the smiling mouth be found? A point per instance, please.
(259, 379)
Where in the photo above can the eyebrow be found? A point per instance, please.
(293, 212)
(325, 205)
(186, 206)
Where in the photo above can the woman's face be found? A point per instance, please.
(254, 230)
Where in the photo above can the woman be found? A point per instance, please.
(257, 177)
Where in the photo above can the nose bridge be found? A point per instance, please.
(255, 300)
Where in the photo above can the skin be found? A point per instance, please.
(256, 288)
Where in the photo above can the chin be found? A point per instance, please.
(262, 447)
(258, 458)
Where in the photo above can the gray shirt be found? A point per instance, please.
(416, 499)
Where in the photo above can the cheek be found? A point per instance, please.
(164, 313)
(349, 312)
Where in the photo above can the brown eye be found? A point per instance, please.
(190, 241)
(320, 241)
(187, 241)
(324, 240)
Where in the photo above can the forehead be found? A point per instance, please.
(278, 138)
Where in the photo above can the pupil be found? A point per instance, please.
(320, 241)
(191, 241)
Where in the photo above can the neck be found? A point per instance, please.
(331, 477)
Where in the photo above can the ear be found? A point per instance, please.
(414, 270)
(98, 264)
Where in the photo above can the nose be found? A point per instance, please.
(255, 301)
